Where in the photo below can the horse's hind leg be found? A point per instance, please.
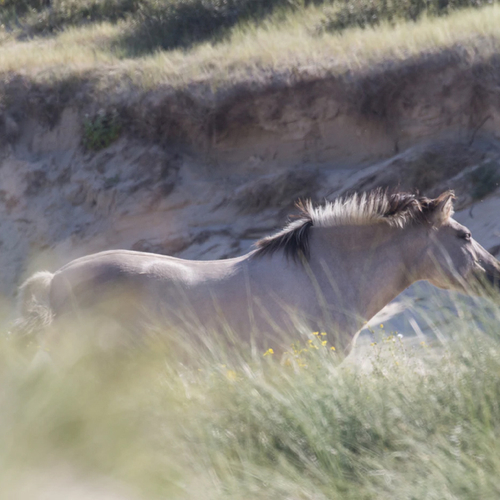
(35, 315)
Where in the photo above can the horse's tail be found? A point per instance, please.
(34, 309)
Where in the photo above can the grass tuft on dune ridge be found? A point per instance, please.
(284, 45)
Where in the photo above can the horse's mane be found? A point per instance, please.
(378, 206)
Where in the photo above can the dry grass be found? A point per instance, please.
(286, 46)
(78, 49)
(404, 419)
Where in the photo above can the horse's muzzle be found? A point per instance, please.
(493, 277)
(491, 273)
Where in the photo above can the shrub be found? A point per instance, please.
(102, 130)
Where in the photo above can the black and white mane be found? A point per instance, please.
(397, 210)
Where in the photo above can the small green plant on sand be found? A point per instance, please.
(101, 131)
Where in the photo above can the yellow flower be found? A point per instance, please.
(381, 325)
(332, 348)
(315, 333)
(311, 344)
(269, 352)
(323, 333)
(324, 342)
(296, 348)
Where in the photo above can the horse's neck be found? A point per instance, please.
(361, 268)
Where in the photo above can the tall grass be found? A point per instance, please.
(170, 24)
(285, 47)
(181, 23)
(402, 419)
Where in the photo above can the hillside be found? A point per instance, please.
(199, 151)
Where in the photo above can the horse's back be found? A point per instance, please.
(132, 279)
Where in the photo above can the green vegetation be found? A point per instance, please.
(116, 57)
(147, 43)
(101, 131)
(173, 23)
(402, 419)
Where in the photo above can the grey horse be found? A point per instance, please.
(330, 270)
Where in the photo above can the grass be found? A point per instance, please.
(181, 23)
(285, 45)
(404, 420)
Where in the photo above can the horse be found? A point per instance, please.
(331, 269)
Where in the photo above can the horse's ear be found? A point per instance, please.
(441, 208)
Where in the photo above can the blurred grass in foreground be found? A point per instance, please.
(419, 420)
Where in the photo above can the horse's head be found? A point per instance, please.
(454, 260)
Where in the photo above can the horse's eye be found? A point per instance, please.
(466, 236)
